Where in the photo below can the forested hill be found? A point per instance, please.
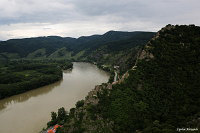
(65, 47)
(159, 95)
(55, 51)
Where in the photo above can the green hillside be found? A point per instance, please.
(61, 53)
(162, 94)
(121, 53)
(52, 46)
(40, 53)
(55, 52)
(158, 95)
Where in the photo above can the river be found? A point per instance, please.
(29, 112)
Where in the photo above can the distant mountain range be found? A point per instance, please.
(67, 47)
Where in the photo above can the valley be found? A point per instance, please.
(150, 80)
(30, 111)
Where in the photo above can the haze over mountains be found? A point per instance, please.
(62, 47)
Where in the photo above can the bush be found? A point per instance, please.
(80, 104)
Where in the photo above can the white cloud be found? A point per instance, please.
(28, 18)
(74, 29)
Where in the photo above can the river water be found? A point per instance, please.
(29, 112)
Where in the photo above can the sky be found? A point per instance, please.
(75, 18)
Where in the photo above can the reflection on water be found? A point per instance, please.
(30, 111)
(25, 96)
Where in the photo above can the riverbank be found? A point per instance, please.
(85, 112)
(22, 76)
(34, 107)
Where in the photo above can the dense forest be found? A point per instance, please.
(45, 47)
(23, 75)
(158, 90)
(109, 49)
(160, 94)
(33, 62)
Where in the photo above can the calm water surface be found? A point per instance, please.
(29, 112)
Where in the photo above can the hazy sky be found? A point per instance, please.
(30, 18)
